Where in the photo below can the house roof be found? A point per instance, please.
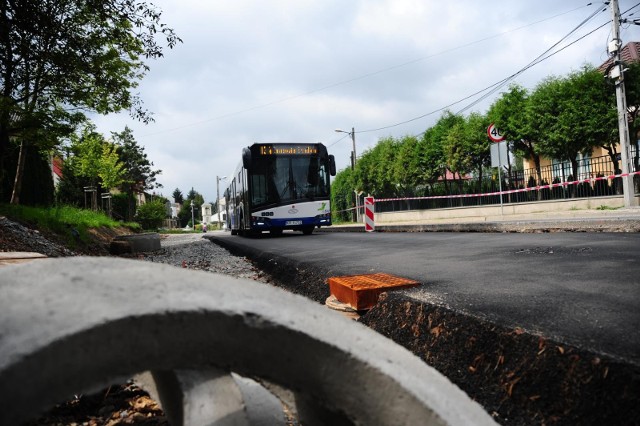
(629, 53)
(57, 166)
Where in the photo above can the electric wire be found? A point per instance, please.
(361, 77)
(496, 86)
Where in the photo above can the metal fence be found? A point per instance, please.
(595, 178)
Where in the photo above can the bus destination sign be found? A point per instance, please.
(288, 149)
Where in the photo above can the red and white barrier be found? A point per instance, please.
(369, 224)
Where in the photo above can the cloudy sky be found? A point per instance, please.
(296, 70)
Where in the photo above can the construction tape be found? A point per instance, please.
(510, 191)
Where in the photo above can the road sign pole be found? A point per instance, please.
(494, 134)
(500, 179)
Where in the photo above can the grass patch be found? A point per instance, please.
(68, 222)
(603, 207)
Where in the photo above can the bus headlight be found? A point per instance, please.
(323, 218)
(260, 221)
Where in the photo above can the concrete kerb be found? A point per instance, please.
(80, 324)
(135, 243)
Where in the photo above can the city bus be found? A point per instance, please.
(280, 186)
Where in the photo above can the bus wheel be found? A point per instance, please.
(234, 232)
(275, 232)
(307, 230)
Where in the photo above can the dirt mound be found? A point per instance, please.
(16, 236)
(519, 378)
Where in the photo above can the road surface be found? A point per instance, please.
(579, 288)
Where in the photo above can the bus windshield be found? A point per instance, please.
(285, 179)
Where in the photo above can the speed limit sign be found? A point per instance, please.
(494, 133)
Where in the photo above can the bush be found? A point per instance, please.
(150, 215)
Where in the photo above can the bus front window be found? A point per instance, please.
(285, 179)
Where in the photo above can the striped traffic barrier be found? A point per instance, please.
(369, 224)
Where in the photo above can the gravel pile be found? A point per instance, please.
(15, 237)
(203, 255)
(182, 250)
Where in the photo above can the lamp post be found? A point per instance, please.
(193, 222)
(218, 179)
(352, 133)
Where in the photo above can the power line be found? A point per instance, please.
(364, 76)
(544, 56)
(496, 86)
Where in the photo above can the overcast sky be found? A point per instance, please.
(296, 70)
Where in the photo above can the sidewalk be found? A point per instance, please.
(484, 220)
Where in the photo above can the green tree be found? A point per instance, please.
(478, 144)
(375, 168)
(406, 167)
(432, 159)
(151, 214)
(454, 150)
(509, 114)
(184, 215)
(59, 57)
(342, 195)
(111, 169)
(138, 173)
(572, 115)
(467, 148)
(95, 159)
(177, 196)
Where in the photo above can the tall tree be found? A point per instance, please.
(572, 115)
(467, 147)
(185, 212)
(509, 114)
(61, 57)
(139, 175)
(177, 196)
(95, 159)
(342, 195)
(406, 167)
(478, 143)
(432, 158)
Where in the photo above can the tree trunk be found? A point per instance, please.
(536, 162)
(17, 183)
(574, 171)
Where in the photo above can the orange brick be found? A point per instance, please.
(361, 292)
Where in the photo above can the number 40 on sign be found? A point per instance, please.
(494, 133)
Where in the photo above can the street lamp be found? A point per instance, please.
(352, 133)
(218, 179)
(193, 222)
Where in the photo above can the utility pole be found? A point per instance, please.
(218, 179)
(353, 141)
(352, 133)
(617, 74)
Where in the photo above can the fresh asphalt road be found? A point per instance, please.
(578, 288)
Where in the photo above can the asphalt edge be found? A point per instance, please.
(579, 386)
(523, 226)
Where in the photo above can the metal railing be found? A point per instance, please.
(595, 178)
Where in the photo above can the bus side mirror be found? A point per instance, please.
(332, 165)
(246, 158)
